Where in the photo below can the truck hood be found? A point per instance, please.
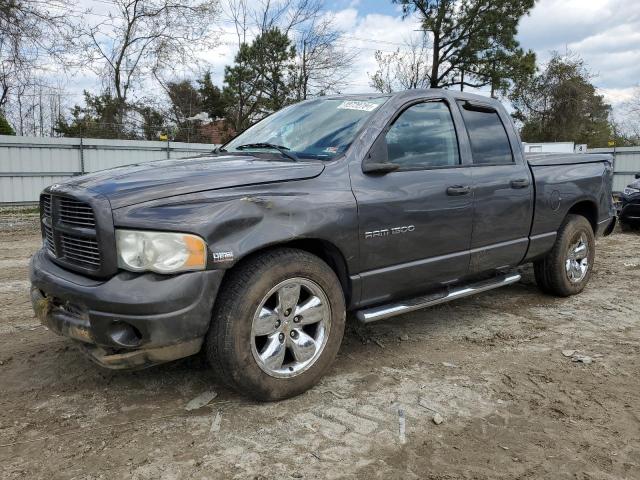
(125, 186)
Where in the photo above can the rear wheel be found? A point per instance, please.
(567, 267)
(278, 324)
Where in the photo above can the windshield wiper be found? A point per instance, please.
(283, 150)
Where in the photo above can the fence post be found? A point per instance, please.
(168, 151)
(81, 155)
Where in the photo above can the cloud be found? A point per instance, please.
(362, 33)
(605, 33)
(367, 34)
(617, 96)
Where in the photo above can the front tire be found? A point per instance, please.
(278, 323)
(566, 269)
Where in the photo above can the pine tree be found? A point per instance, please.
(211, 97)
(561, 104)
(261, 80)
(100, 117)
(473, 41)
(5, 128)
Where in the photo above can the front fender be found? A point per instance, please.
(238, 221)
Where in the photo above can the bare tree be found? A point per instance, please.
(286, 15)
(34, 108)
(237, 12)
(473, 42)
(30, 33)
(238, 96)
(628, 124)
(403, 69)
(140, 36)
(323, 63)
(634, 103)
(31, 41)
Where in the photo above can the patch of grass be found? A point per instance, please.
(26, 210)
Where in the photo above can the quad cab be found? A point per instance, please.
(372, 204)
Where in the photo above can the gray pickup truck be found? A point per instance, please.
(372, 204)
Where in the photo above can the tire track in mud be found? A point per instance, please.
(348, 426)
(15, 286)
(14, 263)
(502, 399)
(15, 318)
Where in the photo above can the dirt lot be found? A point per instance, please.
(513, 405)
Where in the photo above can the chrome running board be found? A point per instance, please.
(389, 310)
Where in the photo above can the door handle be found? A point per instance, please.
(519, 183)
(455, 190)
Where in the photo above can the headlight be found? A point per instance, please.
(631, 190)
(160, 252)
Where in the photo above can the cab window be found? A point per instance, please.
(487, 135)
(423, 136)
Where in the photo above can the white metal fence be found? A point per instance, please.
(29, 164)
(626, 164)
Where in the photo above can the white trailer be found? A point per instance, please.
(549, 147)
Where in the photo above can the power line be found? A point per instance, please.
(254, 25)
(343, 37)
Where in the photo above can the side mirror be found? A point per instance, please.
(377, 160)
(637, 176)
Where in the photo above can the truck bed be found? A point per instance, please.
(563, 182)
(549, 159)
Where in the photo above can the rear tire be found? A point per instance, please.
(277, 326)
(566, 269)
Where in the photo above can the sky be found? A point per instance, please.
(605, 33)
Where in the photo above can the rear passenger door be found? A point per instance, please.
(503, 191)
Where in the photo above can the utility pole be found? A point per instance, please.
(41, 115)
(21, 124)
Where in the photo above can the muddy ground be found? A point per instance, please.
(492, 366)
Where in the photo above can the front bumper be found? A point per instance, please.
(129, 321)
(630, 211)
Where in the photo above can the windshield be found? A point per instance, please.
(322, 128)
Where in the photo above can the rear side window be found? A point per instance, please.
(423, 136)
(488, 137)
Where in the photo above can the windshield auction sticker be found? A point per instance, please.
(356, 105)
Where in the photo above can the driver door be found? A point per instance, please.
(414, 222)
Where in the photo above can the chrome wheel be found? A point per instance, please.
(290, 327)
(577, 262)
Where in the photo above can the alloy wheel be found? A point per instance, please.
(577, 262)
(290, 327)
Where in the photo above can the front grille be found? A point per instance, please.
(74, 212)
(46, 205)
(80, 250)
(48, 239)
(70, 234)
